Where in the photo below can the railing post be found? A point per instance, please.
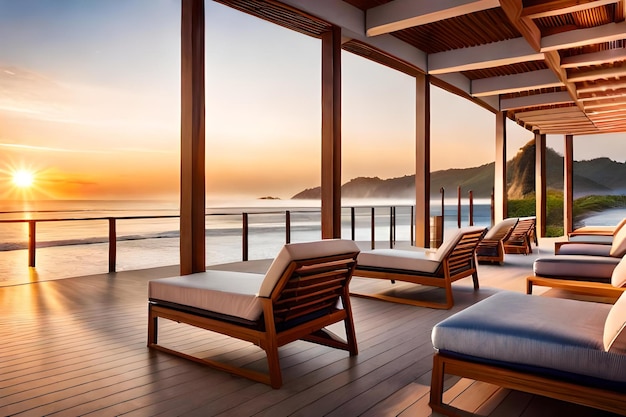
(287, 226)
(352, 223)
(412, 237)
(373, 231)
(391, 226)
(32, 242)
(244, 238)
(112, 245)
(458, 209)
(471, 208)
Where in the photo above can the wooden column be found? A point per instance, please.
(500, 191)
(540, 183)
(568, 185)
(422, 161)
(331, 134)
(192, 168)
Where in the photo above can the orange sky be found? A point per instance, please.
(89, 101)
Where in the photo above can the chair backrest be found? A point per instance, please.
(501, 230)
(618, 247)
(451, 243)
(523, 229)
(307, 279)
(462, 256)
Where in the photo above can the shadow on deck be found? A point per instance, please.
(77, 346)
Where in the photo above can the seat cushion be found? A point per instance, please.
(224, 292)
(589, 268)
(418, 260)
(549, 333)
(585, 249)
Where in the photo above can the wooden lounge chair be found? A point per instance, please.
(521, 237)
(597, 230)
(455, 259)
(304, 290)
(491, 247)
(570, 350)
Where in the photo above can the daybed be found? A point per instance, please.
(570, 350)
(584, 268)
(491, 247)
(453, 260)
(581, 243)
(304, 290)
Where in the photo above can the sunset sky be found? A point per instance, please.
(89, 103)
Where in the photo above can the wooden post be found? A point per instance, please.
(540, 183)
(373, 228)
(245, 230)
(500, 189)
(32, 242)
(568, 185)
(287, 226)
(112, 245)
(471, 208)
(331, 133)
(422, 160)
(458, 206)
(192, 178)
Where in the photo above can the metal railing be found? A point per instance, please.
(245, 229)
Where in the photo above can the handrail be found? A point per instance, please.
(112, 228)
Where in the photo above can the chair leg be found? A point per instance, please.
(475, 281)
(436, 384)
(529, 286)
(276, 379)
(153, 326)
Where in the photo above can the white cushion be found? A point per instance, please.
(500, 228)
(409, 260)
(591, 249)
(618, 278)
(621, 224)
(614, 328)
(618, 248)
(302, 251)
(451, 241)
(224, 292)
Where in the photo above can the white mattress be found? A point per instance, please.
(553, 333)
(225, 292)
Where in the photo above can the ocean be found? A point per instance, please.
(80, 247)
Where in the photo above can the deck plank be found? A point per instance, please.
(77, 346)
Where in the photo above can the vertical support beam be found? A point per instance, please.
(422, 160)
(500, 192)
(331, 133)
(192, 167)
(568, 185)
(540, 183)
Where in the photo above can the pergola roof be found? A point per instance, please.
(553, 66)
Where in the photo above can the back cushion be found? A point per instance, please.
(614, 327)
(618, 278)
(501, 228)
(618, 248)
(619, 226)
(301, 251)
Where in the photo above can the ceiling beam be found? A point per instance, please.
(529, 30)
(527, 81)
(560, 7)
(402, 14)
(553, 60)
(595, 58)
(535, 100)
(604, 73)
(582, 37)
(601, 85)
(491, 55)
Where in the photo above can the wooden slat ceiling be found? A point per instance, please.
(555, 66)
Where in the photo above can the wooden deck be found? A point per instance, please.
(77, 346)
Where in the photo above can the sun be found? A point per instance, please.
(23, 178)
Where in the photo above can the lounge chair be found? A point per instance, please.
(589, 238)
(521, 237)
(304, 290)
(570, 350)
(597, 230)
(453, 260)
(491, 247)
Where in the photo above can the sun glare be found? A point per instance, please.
(23, 179)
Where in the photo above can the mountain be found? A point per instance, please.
(597, 176)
